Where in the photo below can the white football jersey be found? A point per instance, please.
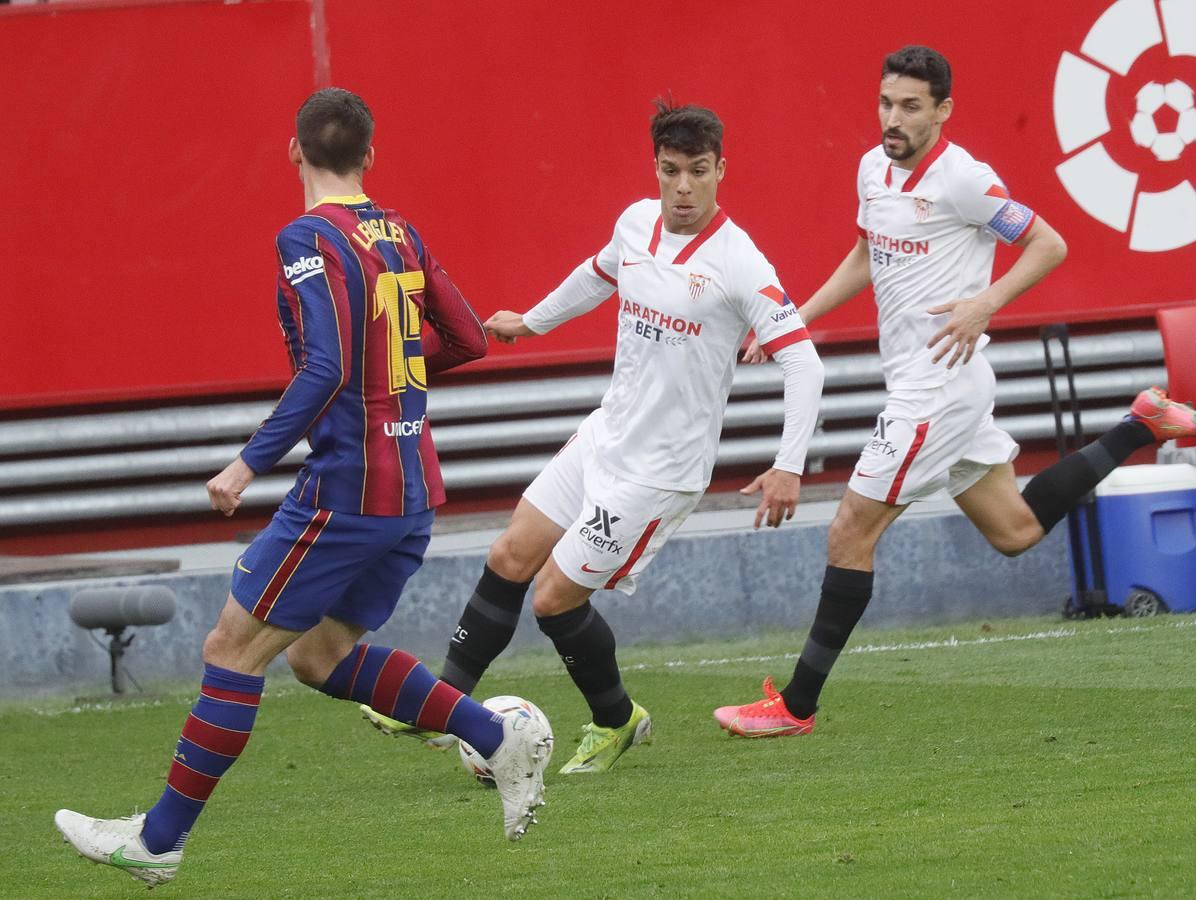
(686, 302)
(931, 236)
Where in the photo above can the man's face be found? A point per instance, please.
(909, 117)
(688, 185)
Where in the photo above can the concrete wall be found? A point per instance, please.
(933, 568)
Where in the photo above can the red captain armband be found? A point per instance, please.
(785, 340)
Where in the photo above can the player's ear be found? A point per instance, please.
(720, 168)
(943, 113)
(368, 162)
(294, 154)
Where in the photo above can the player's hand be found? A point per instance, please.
(506, 326)
(969, 319)
(753, 355)
(779, 499)
(224, 491)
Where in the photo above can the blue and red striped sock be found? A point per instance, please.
(213, 737)
(398, 685)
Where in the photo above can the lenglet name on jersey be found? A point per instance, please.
(371, 231)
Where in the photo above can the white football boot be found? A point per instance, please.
(518, 768)
(117, 842)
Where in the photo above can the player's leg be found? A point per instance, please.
(491, 616)
(586, 645)
(1014, 522)
(281, 587)
(621, 527)
(400, 688)
(918, 437)
(846, 591)
(149, 846)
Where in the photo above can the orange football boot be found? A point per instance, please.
(764, 718)
(1166, 418)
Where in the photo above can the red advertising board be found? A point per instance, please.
(146, 173)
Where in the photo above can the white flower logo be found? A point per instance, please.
(1164, 122)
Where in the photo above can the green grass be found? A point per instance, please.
(1057, 765)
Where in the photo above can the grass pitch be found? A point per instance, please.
(1022, 758)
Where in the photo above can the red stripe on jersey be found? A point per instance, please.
(703, 236)
(655, 242)
(390, 680)
(191, 784)
(863, 233)
(290, 563)
(213, 738)
(997, 191)
(919, 439)
(927, 161)
(601, 274)
(438, 707)
(381, 461)
(292, 298)
(231, 696)
(785, 340)
(433, 480)
(775, 294)
(636, 552)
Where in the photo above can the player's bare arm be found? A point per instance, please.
(850, 277)
(506, 326)
(1042, 250)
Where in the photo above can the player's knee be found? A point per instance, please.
(309, 668)
(220, 648)
(513, 561)
(1016, 541)
(844, 534)
(555, 594)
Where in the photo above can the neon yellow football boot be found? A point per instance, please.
(600, 747)
(432, 739)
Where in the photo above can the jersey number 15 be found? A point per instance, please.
(392, 298)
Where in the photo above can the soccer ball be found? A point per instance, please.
(1168, 145)
(473, 761)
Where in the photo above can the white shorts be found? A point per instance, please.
(613, 527)
(927, 440)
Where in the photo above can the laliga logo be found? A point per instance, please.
(1164, 122)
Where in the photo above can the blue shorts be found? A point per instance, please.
(309, 563)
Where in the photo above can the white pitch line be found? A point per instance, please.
(950, 643)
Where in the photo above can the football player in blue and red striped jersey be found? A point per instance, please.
(356, 287)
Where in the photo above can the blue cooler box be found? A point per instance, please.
(1147, 521)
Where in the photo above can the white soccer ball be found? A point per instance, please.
(473, 761)
(1167, 145)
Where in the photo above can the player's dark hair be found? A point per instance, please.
(693, 130)
(334, 128)
(923, 64)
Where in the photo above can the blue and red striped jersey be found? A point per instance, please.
(356, 288)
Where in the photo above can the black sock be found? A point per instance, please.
(485, 628)
(845, 596)
(1054, 492)
(587, 647)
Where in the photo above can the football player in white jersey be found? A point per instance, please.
(929, 218)
(690, 285)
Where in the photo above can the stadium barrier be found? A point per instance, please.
(716, 579)
(501, 434)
